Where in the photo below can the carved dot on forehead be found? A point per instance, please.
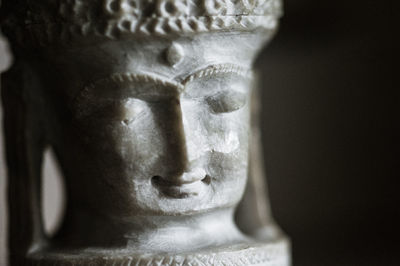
(175, 54)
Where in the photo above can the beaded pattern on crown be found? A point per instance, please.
(48, 21)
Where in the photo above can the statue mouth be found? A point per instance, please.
(180, 190)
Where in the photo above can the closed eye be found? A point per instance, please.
(226, 101)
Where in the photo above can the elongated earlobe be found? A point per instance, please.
(253, 214)
(24, 149)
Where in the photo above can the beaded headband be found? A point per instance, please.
(43, 22)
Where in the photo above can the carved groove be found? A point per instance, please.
(119, 78)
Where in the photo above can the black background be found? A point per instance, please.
(330, 126)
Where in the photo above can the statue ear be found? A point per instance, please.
(24, 142)
(253, 215)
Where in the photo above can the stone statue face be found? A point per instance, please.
(146, 105)
(159, 144)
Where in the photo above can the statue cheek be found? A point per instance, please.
(229, 132)
(207, 132)
(139, 144)
(225, 142)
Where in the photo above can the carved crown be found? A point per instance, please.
(46, 21)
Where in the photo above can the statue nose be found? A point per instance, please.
(182, 167)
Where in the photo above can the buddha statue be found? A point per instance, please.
(147, 106)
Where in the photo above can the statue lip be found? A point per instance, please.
(180, 190)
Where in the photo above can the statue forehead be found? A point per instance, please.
(175, 61)
(164, 57)
(125, 85)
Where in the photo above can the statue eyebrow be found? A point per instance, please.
(121, 78)
(214, 70)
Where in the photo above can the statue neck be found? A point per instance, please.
(185, 233)
(154, 233)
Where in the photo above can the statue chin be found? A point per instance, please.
(149, 108)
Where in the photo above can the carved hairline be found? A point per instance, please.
(118, 78)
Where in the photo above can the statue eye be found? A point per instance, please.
(226, 101)
(131, 109)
